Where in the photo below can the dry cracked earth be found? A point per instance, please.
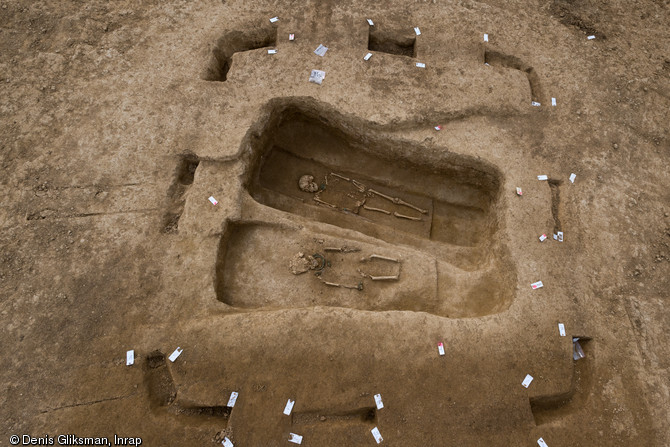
(354, 225)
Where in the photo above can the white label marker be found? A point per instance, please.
(543, 237)
(537, 285)
(486, 37)
(560, 236)
(291, 37)
(232, 399)
(591, 37)
(213, 200)
(296, 439)
(519, 192)
(421, 65)
(561, 329)
(417, 30)
(535, 103)
(370, 22)
(130, 357)
(440, 348)
(177, 352)
(317, 76)
(527, 380)
(542, 177)
(321, 50)
(289, 407)
(227, 443)
(572, 178)
(377, 435)
(378, 401)
(272, 51)
(541, 443)
(553, 102)
(274, 19)
(367, 56)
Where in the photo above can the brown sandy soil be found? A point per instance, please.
(119, 120)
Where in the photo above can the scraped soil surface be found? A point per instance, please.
(152, 159)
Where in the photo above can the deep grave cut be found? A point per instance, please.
(372, 187)
(184, 176)
(221, 59)
(401, 43)
(426, 224)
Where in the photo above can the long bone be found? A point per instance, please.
(402, 216)
(398, 201)
(369, 208)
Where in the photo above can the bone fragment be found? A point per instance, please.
(358, 185)
(385, 258)
(422, 211)
(381, 195)
(316, 199)
(334, 284)
(369, 208)
(340, 176)
(343, 249)
(402, 216)
(384, 278)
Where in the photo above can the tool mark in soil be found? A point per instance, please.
(555, 184)
(163, 394)
(233, 42)
(183, 179)
(547, 409)
(392, 42)
(567, 13)
(365, 415)
(497, 58)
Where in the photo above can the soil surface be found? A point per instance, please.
(151, 200)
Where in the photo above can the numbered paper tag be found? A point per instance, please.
(272, 51)
(519, 192)
(543, 238)
(296, 439)
(289, 407)
(378, 401)
(559, 235)
(527, 380)
(291, 37)
(130, 357)
(553, 102)
(232, 399)
(438, 128)
(542, 177)
(274, 19)
(377, 435)
(367, 56)
(421, 65)
(541, 443)
(226, 443)
(213, 200)
(370, 22)
(537, 285)
(177, 352)
(572, 178)
(561, 329)
(591, 37)
(321, 50)
(535, 103)
(440, 348)
(317, 76)
(417, 30)
(486, 37)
